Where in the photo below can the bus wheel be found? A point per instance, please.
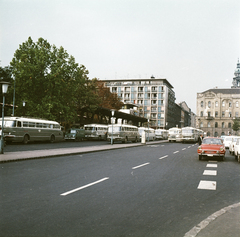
(52, 139)
(25, 139)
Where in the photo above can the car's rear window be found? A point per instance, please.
(212, 141)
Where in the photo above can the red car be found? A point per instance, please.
(212, 147)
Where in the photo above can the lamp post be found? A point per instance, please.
(13, 96)
(148, 130)
(24, 103)
(112, 111)
(4, 91)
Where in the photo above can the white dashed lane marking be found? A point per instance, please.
(85, 186)
(163, 157)
(210, 172)
(212, 165)
(209, 185)
(136, 167)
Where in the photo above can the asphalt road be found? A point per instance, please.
(149, 190)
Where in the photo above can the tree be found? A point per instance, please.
(50, 81)
(107, 99)
(236, 124)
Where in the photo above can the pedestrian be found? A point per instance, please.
(200, 139)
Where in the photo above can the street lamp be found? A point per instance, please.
(148, 130)
(112, 111)
(4, 91)
(14, 96)
(24, 103)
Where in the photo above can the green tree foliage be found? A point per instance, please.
(236, 125)
(51, 82)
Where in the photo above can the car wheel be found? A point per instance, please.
(200, 157)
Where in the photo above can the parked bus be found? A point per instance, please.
(161, 134)
(149, 133)
(123, 133)
(190, 134)
(175, 134)
(21, 129)
(96, 131)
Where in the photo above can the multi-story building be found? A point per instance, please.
(154, 98)
(217, 108)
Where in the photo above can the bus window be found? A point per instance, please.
(39, 125)
(31, 125)
(25, 124)
(19, 124)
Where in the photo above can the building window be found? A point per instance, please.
(201, 124)
(223, 114)
(216, 134)
(237, 104)
(201, 114)
(229, 125)
(216, 114)
(209, 125)
(216, 124)
(230, 114)
(209, 104)
(223, 103)
(230, 104)
(201, 103)
(209, 114)
(236, 114)
(223, 125)
(216, 103)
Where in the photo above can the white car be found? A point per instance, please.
(227, 140)
(232, 144)
(237, 150)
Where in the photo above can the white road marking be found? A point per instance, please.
(208, 185)
(189, 147)
(175, 152)
(183, 149)
(210, 172)
(163, 157)
(85, 186)
(212, 165)
(140, 166)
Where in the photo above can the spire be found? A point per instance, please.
(236, 79)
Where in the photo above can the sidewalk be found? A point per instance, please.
(223, 223)
(24, 155)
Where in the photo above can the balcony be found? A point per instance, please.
(209, 118)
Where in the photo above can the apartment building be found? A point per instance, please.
(154, 98)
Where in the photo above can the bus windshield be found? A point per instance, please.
(189, 131)
(9, 124)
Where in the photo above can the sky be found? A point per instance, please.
(194, 44)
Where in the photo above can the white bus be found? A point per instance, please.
(175, 134)
(21, 129)
(123, 133)
(96, 131)
(149, 133)
(190, 134)
(161, 134)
